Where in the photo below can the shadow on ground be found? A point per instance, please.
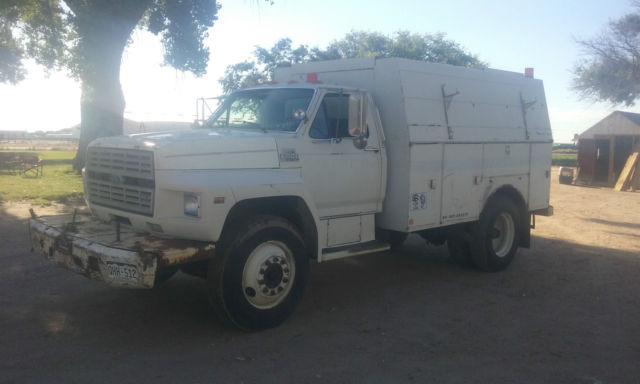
(562, 312)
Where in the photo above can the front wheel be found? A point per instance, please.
(496, 235)
(258, 278)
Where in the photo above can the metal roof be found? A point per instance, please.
(617, 123)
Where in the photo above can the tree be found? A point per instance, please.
(88, 37)
(265, 61)
(424, 47)
(611, 70)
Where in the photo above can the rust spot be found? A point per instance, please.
(187, 253)
(146, 256)
(147, 259)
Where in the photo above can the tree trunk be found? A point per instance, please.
(103, 31)
(101, 109)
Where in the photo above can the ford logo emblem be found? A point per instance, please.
(116, 179)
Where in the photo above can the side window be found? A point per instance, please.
(332, 118)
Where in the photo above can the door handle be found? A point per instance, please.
(372, 149)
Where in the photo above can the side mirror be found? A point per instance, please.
(357, 126)
(300, 115)
(355, 115)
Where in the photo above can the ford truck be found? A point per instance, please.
(334, 159)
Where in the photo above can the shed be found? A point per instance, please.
(604, 148)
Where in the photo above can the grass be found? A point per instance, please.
(564, 159)
(59, 183)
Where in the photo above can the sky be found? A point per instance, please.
(508, 35)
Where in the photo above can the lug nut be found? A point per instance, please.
(250, 291)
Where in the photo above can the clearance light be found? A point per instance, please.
(528, 72)
(312, 78)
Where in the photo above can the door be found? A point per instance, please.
(343, 178)
(601, 172)
(586, 159)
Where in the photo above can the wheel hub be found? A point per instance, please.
(274, 275)
(268, 274)
(503, 234)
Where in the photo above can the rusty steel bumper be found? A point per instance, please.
(118, 256)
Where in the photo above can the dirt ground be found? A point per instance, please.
(566, 311)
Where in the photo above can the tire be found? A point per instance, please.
(496, 235)
(259, 275)
(460, 248)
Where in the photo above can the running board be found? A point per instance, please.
(354, 250)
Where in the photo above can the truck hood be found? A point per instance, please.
(202, 149)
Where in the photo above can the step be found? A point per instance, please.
(354, 250)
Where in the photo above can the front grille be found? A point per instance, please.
(121, 179)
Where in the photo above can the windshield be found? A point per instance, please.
(264, 109)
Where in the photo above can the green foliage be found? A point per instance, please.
(241, 75)
(58, 183)
(88, 37)
(425, 47)
(611, 70)
(59, 34)
(183, 26)
(557, 146)
(31, 28)
(564, 159)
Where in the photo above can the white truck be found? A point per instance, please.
(335, 159)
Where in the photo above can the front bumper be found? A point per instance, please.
(115, 254)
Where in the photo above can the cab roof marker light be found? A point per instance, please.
(313, 78)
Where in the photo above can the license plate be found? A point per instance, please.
(123, 272)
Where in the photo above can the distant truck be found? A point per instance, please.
(337, 159)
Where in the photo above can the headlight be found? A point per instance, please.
(192, 204)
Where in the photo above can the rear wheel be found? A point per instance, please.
(258, 278)
(496, 235)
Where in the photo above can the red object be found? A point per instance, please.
(312, 78)
(528, 72)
